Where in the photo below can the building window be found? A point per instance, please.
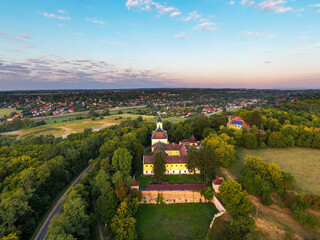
(171, 165)
(146, 165)
(146, 171)
(185, 165)
(174, 200)
(185, 171)
(180, 165)
(173, 171)
(186, 200)
(176, 165)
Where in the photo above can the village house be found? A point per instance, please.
(237, 123)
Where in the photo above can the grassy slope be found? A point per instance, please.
(177, 179)
(7, 111)
(302, 163)
(174, 221)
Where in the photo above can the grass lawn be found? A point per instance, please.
(7, 111)
(177, 179)
(302, 163)
(174, 221)
(63, 129)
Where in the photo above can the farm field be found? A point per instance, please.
(302, 163)
(174, 221)
(172, 179)
(62, 129)
(7, 111)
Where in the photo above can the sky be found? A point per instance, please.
(108, 44)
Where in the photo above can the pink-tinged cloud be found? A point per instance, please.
(24, 36)
(206, 26)
(174, 14)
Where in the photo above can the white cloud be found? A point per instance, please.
(276, 6)
(63, 11)
(95, 20)
(315, 5)
(147, 5)
(52, 15)
(248, 2)
(168, 9)
(181, 35)
(231, 2)
(206, 26)
(24, 36)
(174, 14)
(192, 16)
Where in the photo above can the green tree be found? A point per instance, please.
(207, 161)
(207, 193)
(250, 140)
(107, 205)
(240, 226)
(159, 165)
(192, 159)
(235, 199)
(277, 140)
(61, 236)
(123, 224)
(121, 160)
(122, 190)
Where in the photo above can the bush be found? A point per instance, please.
(277, 140)
(304, 218)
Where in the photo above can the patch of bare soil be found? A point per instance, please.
(317, 213)
(226, 173)
(104, 125)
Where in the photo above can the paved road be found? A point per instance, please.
(41, 234)
(76, 113)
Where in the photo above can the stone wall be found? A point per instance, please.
(172, 196)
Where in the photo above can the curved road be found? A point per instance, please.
(41, 234)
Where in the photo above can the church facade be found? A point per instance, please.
(174, 154)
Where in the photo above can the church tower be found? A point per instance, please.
(159, 135)
(159, 123)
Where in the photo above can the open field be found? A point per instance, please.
(7, 111)
(172, 179)
(62, 129)
(174, 221)
(302, 163)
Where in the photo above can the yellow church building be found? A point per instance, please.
(174, 154)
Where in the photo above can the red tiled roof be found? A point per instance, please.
(148, 159)
(175, 187)
(159, 135)
(218, 181)
(192, 139)
(135, 183)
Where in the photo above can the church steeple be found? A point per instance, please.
(159, 122)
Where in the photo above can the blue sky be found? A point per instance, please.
(55, 44)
